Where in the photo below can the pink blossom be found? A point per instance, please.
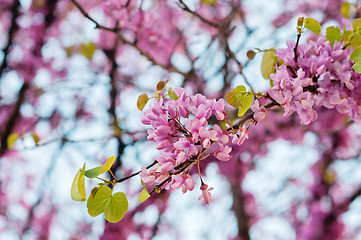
(240, 136)
(259, 112)
(206, 195)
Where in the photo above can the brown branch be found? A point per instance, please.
(13, 28)
(8, 127)
(116, 30)
(248, 116)
(239, 210)
(295, 49)
(184, 7)
(135, 174)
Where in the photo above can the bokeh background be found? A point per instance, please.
(70, 76)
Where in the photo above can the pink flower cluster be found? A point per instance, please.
(322, 77)
(180, 127)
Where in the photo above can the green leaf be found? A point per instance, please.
(87, 49)
(241, 98)
(172, 94)
(114, 206)
(143, 195)
(117, 207)
(94, 172)
(108, 164)
(11, 140)
(333, 34)
(347, 35)
(78, 186)
(312, 25)
(345, 9)
(355, 40)
(268, 63)
(142, 101)
(93, 192)
(99, 201)
(357, 67)
(356, 24)
(356, 55)
(246, 104)
(232, 100)
(161, 85)
(356, 58)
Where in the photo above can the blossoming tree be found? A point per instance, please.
(153, 94)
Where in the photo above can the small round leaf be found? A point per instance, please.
(142, 101)
(161, 85)
(312, 25)
(143, 195)
(251, 54)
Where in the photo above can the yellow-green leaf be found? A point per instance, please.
(11, 140)
(246, 104)
(333, 34)
(94, 172)
(240, 89)
(143, 195)
(93, 192)
(240, 98)
(99, 201)
(172, 94)
(114, 206)
(78, 186)
(231, 99)
(142, 101)
(161, 85)
(356, 55)
(87, 49)
(312, 25)
(268, 63)
(357, 67)
(356, 24)
(345, 9)
(117, 207)
(355, 40)
(107, 165)
(356, 58)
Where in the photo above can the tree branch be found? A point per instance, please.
(13, 28)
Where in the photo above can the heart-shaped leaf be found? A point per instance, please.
(78, 186)
(117, 207)
(231, 99)
(246, 104)
(114, 206)
(333, 34)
